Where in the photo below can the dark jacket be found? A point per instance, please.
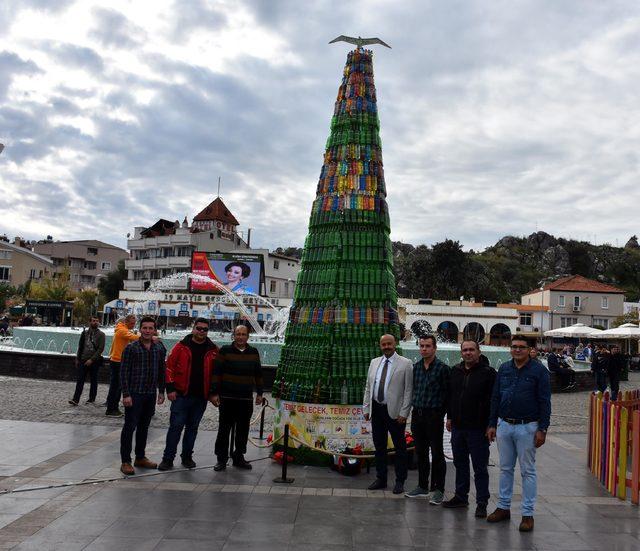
(616, 363)
(178, 374)
(469, 401)
(98, 340)
(599, 361)
(553, 362)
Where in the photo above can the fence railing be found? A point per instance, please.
(614, 443)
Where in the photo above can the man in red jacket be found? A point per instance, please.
(188, 377)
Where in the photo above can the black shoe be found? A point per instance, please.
(73, 402)
(114, 413)
(220, 466)
(481, 510)
(242, 463)
(165, 465)
(90, 401)
(378, 484)
(398, 487)
(188, 463)
(455, 502)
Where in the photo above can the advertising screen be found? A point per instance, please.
(240, 273)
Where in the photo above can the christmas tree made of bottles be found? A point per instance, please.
(345, 296)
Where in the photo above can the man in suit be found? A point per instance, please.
(387, 402)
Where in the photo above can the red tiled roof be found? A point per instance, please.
(578, 283)
(216, 210)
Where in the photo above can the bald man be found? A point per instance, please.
(387, 402)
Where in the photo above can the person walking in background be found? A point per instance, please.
(188, 378)
(615, 367)
(142, 378)
(122, 336)
(387, 402)
(429, 401)
(89, 359)
(599, 367)
(237, 371)
(468, 409)
(519, 419)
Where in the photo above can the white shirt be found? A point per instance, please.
(386, 381)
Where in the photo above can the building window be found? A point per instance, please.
(602, 322)
(526, 318)
(605, 302)
(272, 286)
(561, 301)
(576, 302)
(5, 255)
(89, 265)
(75, 277)
(5, 273)
(286, 288)
(92, 251)
(566, 322)
(106, 265)
(32, 273)
(276, 264)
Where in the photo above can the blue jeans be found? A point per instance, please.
(113, 398)
(186, 412)
(474, 443)
(517, 442)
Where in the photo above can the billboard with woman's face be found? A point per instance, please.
(239, 273)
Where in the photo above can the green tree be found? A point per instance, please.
(84, 305)
(52, 288)
(6, 292)
(111, 285)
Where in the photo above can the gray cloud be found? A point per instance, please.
(11, 65)
(496, 118)
(113, 29)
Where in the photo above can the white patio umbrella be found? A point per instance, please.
(577, 330)
(626, 331)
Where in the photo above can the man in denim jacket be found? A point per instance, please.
(520, 414)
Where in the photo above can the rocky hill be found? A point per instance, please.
(512, 266)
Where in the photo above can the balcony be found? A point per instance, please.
(154, 242)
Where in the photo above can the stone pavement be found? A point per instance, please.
(235, 509)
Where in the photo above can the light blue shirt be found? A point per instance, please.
(376, 383)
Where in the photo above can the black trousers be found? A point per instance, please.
(137, 419)
(93, 378)
(566, 375)
(427, 428)
(614, 382)
(113, 398)
(233, 412)
(381, 427)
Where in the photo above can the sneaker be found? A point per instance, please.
(188, 463)
(436, 497)
(145, 463)
(127, 469)
(165, 465)
(455, 502)
(481, 510)
(417, 492)
(220, 466)
(114, 413)
(73, 403)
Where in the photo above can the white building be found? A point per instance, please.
(166, 248)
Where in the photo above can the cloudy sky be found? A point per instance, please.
(498, 117)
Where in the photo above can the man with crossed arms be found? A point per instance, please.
(387, 402)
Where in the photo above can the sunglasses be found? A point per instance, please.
(203, 329)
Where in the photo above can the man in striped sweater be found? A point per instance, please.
(237, 370)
